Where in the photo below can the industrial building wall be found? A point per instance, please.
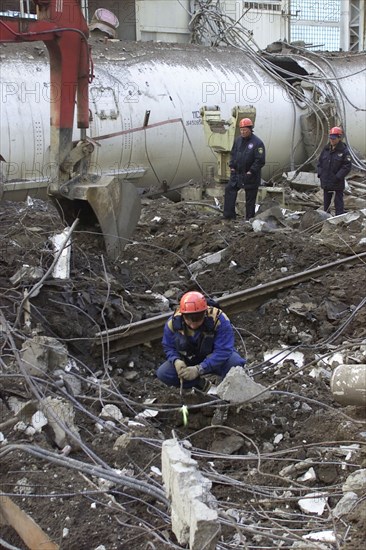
(168, 20)
(264, 20)
(163, 20)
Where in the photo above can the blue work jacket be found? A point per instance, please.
(209, 346)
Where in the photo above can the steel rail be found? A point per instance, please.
(147, 330)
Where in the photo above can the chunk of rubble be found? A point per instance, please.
(303, 181)
(345, 233)
(323, 536)
(297, 468)
(61, 269)
(345, 505)
(111, 412)
(193, 508)
(38, 421)
(310, 475)
(268, 221)
(60, 415)
(355, 482)
(313, 219)
(278, 356)
(237, 387)
(27, 273)
(41, 354)
(313, 503)
(228, 446)
(302, 545)
(209, 259)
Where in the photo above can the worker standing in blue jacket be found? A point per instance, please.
(333, 166)
(198, 341)
(248, 156)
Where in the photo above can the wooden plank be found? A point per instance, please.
(28, 530)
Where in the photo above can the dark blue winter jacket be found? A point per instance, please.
(209, 346)
(333, 166)
(248, 155)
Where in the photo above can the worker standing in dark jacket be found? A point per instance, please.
(333, 165)
(198, 341)
(247, 160)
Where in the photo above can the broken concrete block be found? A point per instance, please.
(60, 415)
(194, 515)
(303, 181)
(355, 482)
(313, 503)
(41, 354)
(111, 412)
(61, 269)
(343, 233)
(313, 219)
(237, 387)
(207, 260)
(26, 274)
(305, 546)
(326, 536)
(345, 505)
(38, 421)
(191, 193)
(229, 445)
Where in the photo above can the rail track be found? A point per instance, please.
(147, 330)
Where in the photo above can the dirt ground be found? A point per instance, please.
(244, 457)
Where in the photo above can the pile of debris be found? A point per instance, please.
(94, 448)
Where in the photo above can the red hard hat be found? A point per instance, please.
(193, 302)
(336, 131)
(246, 123)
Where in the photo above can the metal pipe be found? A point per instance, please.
(85, 9)
(348, 385)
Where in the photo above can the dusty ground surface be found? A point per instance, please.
(243, 457)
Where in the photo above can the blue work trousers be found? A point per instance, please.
(230, 197)
(338, 201)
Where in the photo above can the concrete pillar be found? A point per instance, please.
(345, 25)
(193, 508)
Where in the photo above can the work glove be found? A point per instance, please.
(189, 373)
(179, 366)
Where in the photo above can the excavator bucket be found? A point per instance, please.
(117, 207)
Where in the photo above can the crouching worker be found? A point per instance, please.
(198, 342)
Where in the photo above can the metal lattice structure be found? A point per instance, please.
(332, 25)
(316, 23)
(356, 41)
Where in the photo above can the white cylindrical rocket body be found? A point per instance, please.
(145, 113)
